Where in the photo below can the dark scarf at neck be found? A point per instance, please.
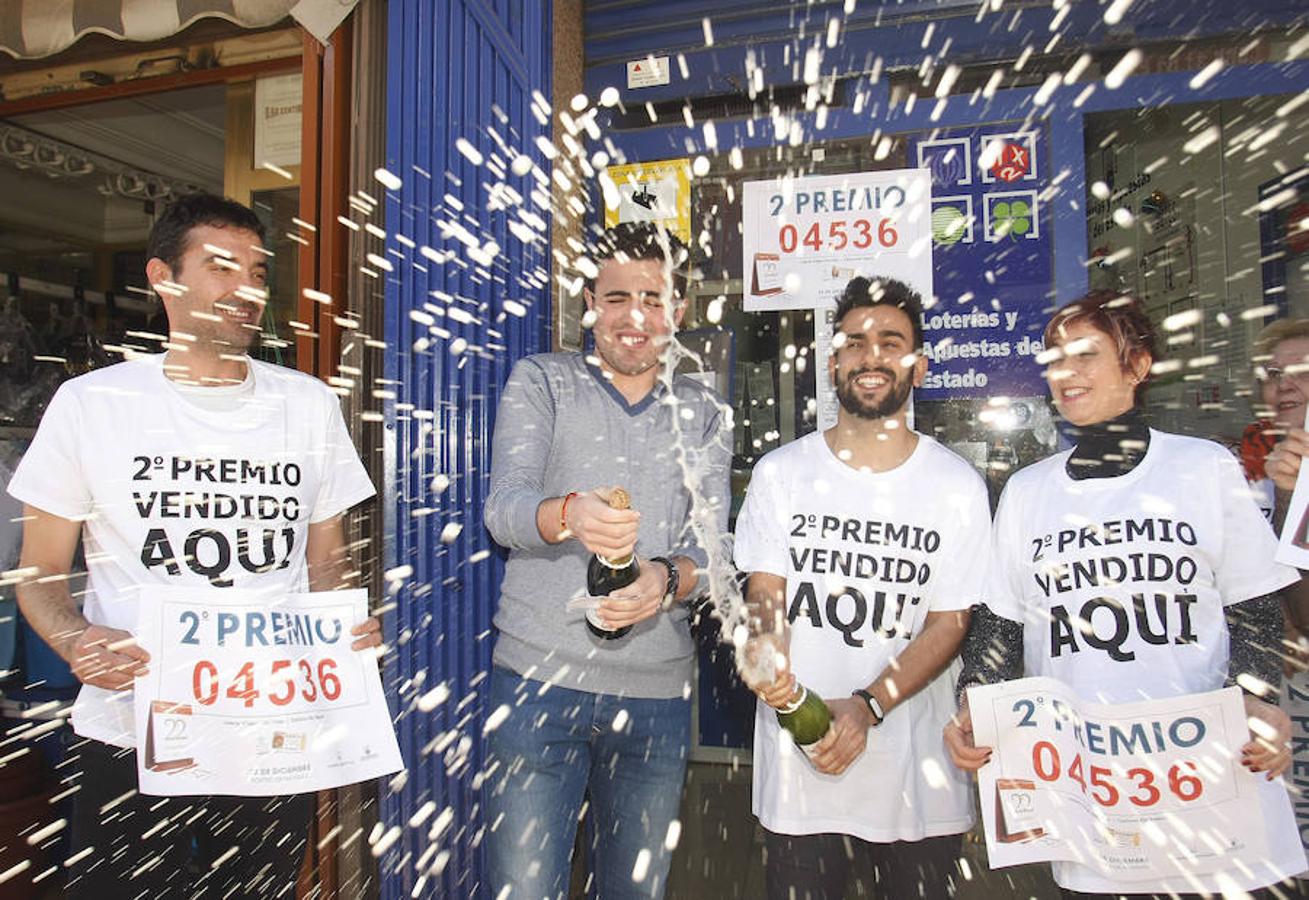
(1107, 449)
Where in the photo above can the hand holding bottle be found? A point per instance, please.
(603, 530)
(846, 740)
(640, 600)
(765, 670)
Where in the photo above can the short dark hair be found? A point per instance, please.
(863, 291)
(644, 240)
(168, 235)
(1121, 316)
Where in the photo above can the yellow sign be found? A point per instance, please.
(653, 192)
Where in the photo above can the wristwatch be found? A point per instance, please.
(873, 706)
(671, 585)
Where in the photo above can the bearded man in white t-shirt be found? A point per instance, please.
(866, 546)
(135, 460)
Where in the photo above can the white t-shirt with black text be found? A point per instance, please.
(1147, 560)
(170, 492)
(866, 556)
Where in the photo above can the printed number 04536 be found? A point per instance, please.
(312, 684)
(860, 234)
(1101, 786)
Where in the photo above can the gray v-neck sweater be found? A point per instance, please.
(562, 426)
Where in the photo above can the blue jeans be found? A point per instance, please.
(628, 756)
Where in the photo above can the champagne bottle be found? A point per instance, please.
(605, 576)
(806, 716)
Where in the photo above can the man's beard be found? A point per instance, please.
(889, 405)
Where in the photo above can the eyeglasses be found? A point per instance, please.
(1297, 372)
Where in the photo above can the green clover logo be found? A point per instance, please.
(949, 225)
(1011, 218)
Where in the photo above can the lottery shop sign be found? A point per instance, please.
(1137, 791)
(255, 695)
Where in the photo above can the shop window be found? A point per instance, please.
(81, 187)
(1193, 208)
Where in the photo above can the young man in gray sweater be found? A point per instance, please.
(581, 716)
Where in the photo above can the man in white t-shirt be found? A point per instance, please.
(199, 467)
(866, 546)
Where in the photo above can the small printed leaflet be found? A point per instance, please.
(766, 276)
(168, 737)
(1137, 791)
(257, 695)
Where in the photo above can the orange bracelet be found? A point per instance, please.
(563, 512)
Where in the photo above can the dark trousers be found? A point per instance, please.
(127, 845)
(817, 866)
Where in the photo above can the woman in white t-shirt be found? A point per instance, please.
(1134, 566)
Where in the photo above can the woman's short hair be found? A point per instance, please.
(1276, 332)
(1118, 315)
(1121, 316)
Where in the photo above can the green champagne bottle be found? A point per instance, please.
(605, 576)
(806, 716)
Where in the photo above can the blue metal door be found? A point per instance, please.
(467, 295)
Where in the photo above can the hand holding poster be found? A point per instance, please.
(1293, 543)
(1138, 791)
(249, 696)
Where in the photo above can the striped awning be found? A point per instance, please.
(31, 29)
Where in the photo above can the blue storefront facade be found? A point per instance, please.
(469, 93)
(458, 71)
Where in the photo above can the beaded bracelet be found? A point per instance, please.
(563, 511)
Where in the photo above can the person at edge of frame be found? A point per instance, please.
(1102, 350)
(608, 720)
(1281, 382)
(877, 638)
(91, 474)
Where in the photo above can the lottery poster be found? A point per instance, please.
(252, 696)
(805, 238)
(1137, 791)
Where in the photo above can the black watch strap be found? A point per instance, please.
(673, 582)
(873, 706)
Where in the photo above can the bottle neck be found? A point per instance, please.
(796, 700)
(621, 563)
